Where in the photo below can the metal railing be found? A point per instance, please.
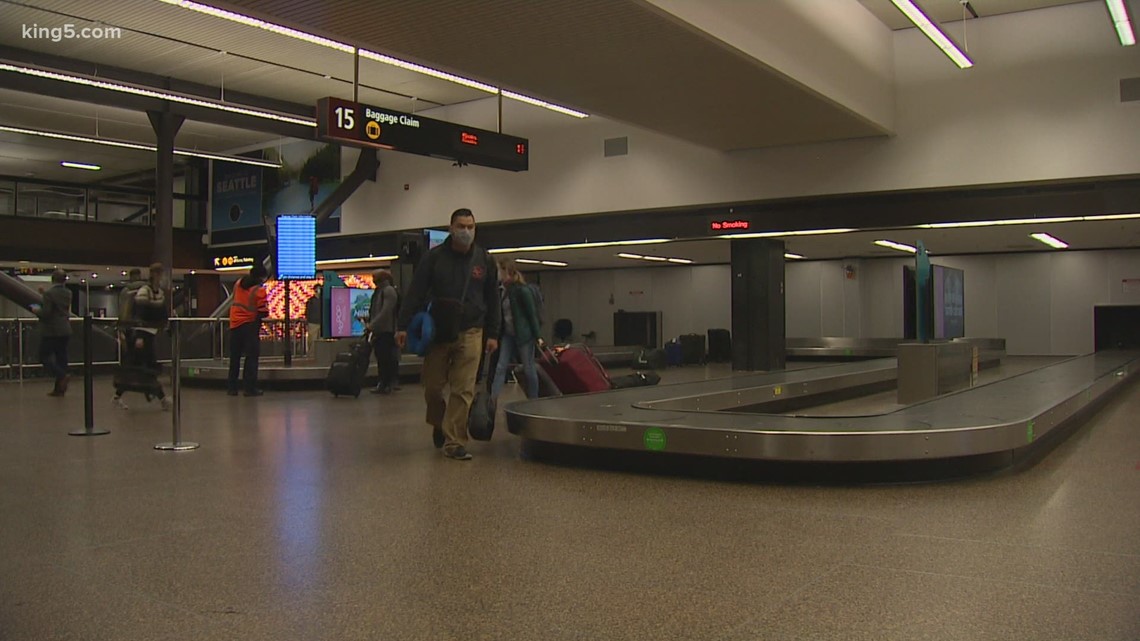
(202, 339)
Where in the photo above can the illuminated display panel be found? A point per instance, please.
(362, 125)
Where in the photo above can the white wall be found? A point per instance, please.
(1042, 103)
(1041, 303)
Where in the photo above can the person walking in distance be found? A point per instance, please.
(522, 330)
(55, 331)
(382, 323)
(150, 312)
(459, 279)
(248, 308)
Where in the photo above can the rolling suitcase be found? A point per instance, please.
(346, 374)
(673, 354)
(546, 386)
(143, 380)
(574, 370)
(692, 349)
(720, 345)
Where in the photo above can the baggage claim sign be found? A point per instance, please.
(358, 125)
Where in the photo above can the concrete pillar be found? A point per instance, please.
(165, 125)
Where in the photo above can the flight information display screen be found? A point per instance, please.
(360, 125)
(296, 247)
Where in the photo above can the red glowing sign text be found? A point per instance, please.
(721, 225)
(468, 138)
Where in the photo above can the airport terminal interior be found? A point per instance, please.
(836, 312)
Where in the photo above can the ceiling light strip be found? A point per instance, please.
(792, 256)
(612, 243)
(80, 165)
(1029, 221)
(1121, 22)
(940, 39)
(899, 246)
(777, 234)
(159, 95)
(106, 142)
(365, 53)
(362, 259)
(1055, 243)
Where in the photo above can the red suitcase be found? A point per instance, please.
(575, 370)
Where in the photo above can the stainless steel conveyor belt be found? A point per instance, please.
(697, 418)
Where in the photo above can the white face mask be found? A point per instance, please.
(464, 236)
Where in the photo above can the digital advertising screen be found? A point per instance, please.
(349, 304)
(296, 247)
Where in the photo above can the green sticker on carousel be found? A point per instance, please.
(654, 438)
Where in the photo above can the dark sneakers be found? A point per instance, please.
(437, 437)
(460, 453)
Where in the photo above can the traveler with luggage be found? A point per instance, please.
(55, 330)
(456, 284)
(248, 308)
(522, 330)
(382, 323)
(148, 311)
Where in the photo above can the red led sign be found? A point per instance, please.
(468, 138)
(722, 225)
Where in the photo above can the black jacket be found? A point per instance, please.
(442, 274)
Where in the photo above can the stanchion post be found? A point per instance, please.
(88, 383)
(176, 445)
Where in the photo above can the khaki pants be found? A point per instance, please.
(456, 366)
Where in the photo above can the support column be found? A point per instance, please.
(165, 125)
(758, 331)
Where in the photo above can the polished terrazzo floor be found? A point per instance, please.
(304, 517)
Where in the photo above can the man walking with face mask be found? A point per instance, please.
(459, 279)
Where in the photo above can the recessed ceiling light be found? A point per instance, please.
(899, 246)
(554, 263)
(940, 39)
(656, 259)
(632, 256)
(792, 256)
(680, 261)
(1051, 241)
(80, 165)
(777, 234)
(528, 261)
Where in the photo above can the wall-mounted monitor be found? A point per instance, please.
(296, 256)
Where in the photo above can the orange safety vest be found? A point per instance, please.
(248, 305)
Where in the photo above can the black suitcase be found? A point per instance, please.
(143, 380)
(346, 374)
(636, 379)
(649, 359)
(692, 349)
(720, 345)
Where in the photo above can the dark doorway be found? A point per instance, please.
(1116, 326)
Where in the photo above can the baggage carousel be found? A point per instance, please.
(1007, 417)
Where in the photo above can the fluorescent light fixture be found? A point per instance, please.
(680, 261)
(106, 142)
(80, 165)
(545, 105)
(940, 39)
(235, 268)
(362, 259)
(777, 234)
(899, 246)
(632, 256)
(364, 53)
(1030, 221)
(792, 256)
(612, 243)
(1120, 20)
(528, 261)
(1051, 241)
(151, 93)
(554, 263)
(656, 259)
